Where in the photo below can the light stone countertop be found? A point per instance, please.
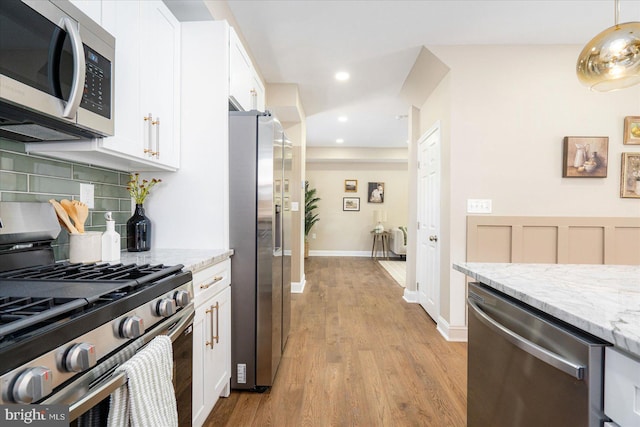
(192, 259)
(603, 300)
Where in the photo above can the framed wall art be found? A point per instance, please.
(351, 203)
(630, 176)
(631, 130)
(585, 156)
(350, 185)
(375, 192)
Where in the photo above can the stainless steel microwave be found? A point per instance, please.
(56, 73)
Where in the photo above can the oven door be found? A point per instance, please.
(88, 396)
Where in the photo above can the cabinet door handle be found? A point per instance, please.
(215, 280)
(156, 123)
(217, 337)
(210, 341)
(147, 135)
(214, 339)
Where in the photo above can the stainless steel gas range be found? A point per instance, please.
(64, 328)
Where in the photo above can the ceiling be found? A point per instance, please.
(377, 42)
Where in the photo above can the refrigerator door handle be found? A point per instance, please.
(542, 354)
(277, 243)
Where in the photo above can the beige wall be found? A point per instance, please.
(348, 233)
(504, 112)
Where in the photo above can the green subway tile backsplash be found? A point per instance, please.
(29, 178)
(47, 184)
(107, 190)
(86, 173)
(23, 163)
(13, 181)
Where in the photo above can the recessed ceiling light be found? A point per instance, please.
(342, 76)
(339, 141)
(343, 119)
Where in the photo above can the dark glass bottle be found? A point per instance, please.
(138, 231)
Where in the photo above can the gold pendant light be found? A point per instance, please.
(611, 60)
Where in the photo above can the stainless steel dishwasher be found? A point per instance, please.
(526, 368)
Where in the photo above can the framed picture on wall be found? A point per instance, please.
(630, 176)
(585, 156)
(351, 203)
(350, 185)
(375, 192)
(631, 130)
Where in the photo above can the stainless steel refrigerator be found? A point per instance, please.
(259, 215)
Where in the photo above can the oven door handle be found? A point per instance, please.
(540, 353)
(93, 397)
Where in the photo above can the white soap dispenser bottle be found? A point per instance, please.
(110, 241)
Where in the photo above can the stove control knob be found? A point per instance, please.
(80, 357)
(131, 327)
(182, 298)
(32, 385)
(166, 307)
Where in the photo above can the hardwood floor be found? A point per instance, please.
(357, 355)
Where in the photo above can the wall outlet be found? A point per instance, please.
(313, 235)
(86, 195)
(241, 373)
(478, 205)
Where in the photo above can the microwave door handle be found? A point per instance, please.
(79, 69)
(540, 353)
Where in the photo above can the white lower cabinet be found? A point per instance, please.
(211, 339)
(621, 388)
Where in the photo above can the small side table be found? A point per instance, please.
(380, 239)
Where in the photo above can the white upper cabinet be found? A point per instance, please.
(147, 90)
(246, 90)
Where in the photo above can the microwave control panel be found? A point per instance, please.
(97, 84)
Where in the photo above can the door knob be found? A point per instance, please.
(433, 238)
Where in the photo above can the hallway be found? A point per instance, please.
(357, 355)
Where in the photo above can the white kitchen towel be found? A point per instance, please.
(148, 398)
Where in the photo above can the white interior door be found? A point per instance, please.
(428, 251)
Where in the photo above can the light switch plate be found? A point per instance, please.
(478, 205)
(86, 195)
(295, 206)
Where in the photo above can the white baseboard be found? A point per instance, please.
(298, 287)
(362, 254)
(452, 333)
(410, 296)
(341, 253)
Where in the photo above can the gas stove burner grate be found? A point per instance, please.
(20, 313)
(85, 272)
(38, 296)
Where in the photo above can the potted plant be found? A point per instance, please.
(310, 216)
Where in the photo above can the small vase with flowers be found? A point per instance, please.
(139, 225)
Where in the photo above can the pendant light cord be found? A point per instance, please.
(617, 11)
